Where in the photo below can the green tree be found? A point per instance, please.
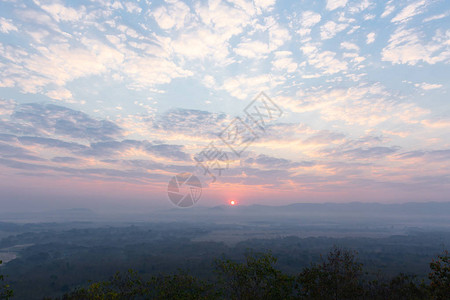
(180, 287)
(401, 287)
(440, 276)
(131, 286)
(121, 286)
(336, 277)
(256, 278)
(406, 287)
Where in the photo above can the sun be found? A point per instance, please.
(233, 202)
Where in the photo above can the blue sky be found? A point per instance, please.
(102, 102)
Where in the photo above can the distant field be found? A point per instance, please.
(233, 236)
(5, 257)
(9, 253)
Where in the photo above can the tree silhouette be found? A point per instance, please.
(336, 277)
(256, 278)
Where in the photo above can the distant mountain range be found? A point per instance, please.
(411, 213)
(431, 213)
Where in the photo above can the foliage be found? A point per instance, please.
(58, 258)
(121, 286)
(401, 287)
(256, 278)
(180, 286)
(337, 277)
(131, 286)
(5, 290)
(56, 263)
(440, 277)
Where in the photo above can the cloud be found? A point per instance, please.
(366, 105)
(66, 159)
(171, 16)
(197, 123)
(389, 9)
(38, 19)
(62, 59)
(60, 12)
(283, 61)
(7, 26)
(242, 86)
(7, 137)
(148, 71)
(406, 46)
(349, 128)
(61, 63)
(7, 107)
(436, 123)
(126, 148)
(330, 29)
(17, 128)
(436, 17)
(269, 162)
(99, 146)
(370, 38)
(105, 174)
(252, 49)
(39, 36)
(428, 86)
(325, 60)
(310, 18)
(373, 152)
(10, 151)
(49, 119)
(60, 94)
(21, 165)
(265, 4)
(324, 137)
(275, 36)
(207, 35)
(334, 4)
(102, 160)
(410, 11)
(209, 81)
(132, 8)
(428, 156)
(51, 143)
(278, 35)
(202, 44)
(349, 46)
(360, 6)
(364, 148)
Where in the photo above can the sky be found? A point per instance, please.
(103, 102)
